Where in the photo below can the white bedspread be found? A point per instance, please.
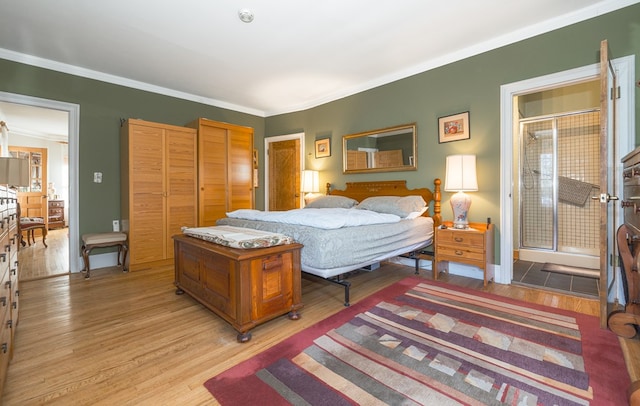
(327, 219)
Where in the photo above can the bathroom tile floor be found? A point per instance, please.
(531, 274)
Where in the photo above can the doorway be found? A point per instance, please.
(509, 148)
(72, 112)
(286, 172)
(559, 164)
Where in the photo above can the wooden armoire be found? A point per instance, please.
(225, 169)
(158, 188)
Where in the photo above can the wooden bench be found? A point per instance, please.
(101, 240)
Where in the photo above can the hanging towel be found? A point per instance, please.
(574, 191)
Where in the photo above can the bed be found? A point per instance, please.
(331, 254)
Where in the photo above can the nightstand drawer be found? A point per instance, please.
(447, 253)
(461, 237)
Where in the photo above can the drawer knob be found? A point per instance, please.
(626, 204)
(5, 347)
(458, 239)
(3, 300)
(458, 252)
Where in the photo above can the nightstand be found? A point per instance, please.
(472, 246)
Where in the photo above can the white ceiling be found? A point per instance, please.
(296, 54)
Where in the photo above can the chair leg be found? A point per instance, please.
(85, 257)
(125, 249)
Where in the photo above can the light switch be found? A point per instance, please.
(97, 177)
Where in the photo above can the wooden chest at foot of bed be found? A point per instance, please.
(246, 287)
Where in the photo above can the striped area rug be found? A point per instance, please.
(424, 343)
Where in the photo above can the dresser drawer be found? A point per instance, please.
(460, 238)
(56, 203)
(631, 206)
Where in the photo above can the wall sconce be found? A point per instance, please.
(461, 177)
(309, 184)
(14, 172)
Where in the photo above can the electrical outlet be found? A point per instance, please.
(97, 177)
(116, 225)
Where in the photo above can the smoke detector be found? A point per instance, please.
(245, 15)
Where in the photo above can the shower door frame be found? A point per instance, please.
(554, 253)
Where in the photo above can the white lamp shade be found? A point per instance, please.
(14, 171)
(461, 174)
(310, 182)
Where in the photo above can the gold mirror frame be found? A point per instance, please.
(386, 150)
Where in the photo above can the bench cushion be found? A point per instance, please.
(103, 238)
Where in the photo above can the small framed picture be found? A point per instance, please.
(454, 128)
(323, 148)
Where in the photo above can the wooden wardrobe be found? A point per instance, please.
(225, 169)
(158, 188)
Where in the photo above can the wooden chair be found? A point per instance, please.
(29, 225)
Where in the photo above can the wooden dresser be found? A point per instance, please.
(472, 246)
(625, 322)
(56, 214)
(246, 287)
(9, 308)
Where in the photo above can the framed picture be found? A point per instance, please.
(323, 148)
(454, 128)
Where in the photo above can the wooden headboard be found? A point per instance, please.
(361, 190)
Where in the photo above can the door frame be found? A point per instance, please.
(626, 125)
(75, 260)
(267, 142)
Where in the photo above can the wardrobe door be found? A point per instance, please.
(240, 169)
(181, 183)
(212, 174)
(147, 229)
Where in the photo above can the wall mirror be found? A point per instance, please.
(385, 150)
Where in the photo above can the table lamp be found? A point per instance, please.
(461, 177)
(310, 183)
(14, 171)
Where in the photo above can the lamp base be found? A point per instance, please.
(460, 203)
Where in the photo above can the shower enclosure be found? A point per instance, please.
(559, 172)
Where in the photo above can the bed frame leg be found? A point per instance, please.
(344, 283)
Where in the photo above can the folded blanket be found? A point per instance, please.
(238, 237)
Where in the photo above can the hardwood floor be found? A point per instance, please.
(38, 261)
(126, 338)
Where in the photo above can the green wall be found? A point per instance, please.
(470, 85)
(102, 105)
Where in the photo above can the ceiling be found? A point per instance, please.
(296, 54)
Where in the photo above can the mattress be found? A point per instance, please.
(332, 252)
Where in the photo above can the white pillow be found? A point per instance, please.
(331, 202)
(416, 214)
(400, 206)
